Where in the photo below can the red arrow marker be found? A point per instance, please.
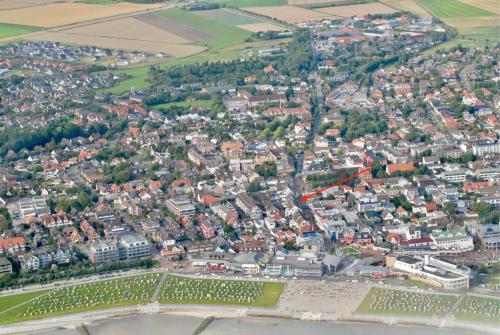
(306, 197)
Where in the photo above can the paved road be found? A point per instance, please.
(158, 287)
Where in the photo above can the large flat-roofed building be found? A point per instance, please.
(491, 174)
(453, 240)
(486, 148)
(133, 247)
(181, 206)
(103, 252)
(34, 206)
(440, 271)
(455, 176)
(289, 266)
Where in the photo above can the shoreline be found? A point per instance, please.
(202, 312)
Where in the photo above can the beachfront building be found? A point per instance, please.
(436, 270)
(453, 240)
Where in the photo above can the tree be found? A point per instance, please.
(228, 229)
(450, 208)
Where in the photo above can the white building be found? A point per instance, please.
(455, 176)
(438, 270)
(455, 240)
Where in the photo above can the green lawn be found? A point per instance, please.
(9, 301)
(417, 283)
(385, 301)
(194, 103)
(86, 297)
(9, 30)
(452, 8)
(479, 309)
(183, 290)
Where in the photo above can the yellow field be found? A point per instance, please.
(10, 4)
(357, 10)
(289, 14)
(61, 14)
(258, 27)
(491, 5)
(408, 6)
(472, 22)
(127, 28)
(172, 49)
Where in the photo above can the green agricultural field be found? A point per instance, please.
(452, 8)
(10, 301)
(385, 301)
(478, 309)
(9, 30)
(224, 34)
(86, 297)
(230, 17)
(183, 290)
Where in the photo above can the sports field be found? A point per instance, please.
(453, 8)
(385, 301)
(183, 290)
(80, 298)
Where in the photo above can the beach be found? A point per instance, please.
(188, 325)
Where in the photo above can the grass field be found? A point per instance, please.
(182, 290)
(85, 297)
(194, 103)
(384, 301)
(9, 30)
(479, 309)
(9, 301)
(452, 8)
(417, 283)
